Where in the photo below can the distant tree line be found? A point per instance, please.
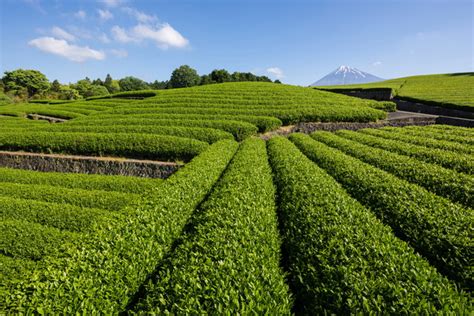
(21, 85)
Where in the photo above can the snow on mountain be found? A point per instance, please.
(346, 75)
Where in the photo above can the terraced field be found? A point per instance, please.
(448, 90)
(369, 222)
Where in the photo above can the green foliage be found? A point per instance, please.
(26, 240)
(32, 80)
(86, 89)
(102, 272)
(112, 201)
(229, 260)
(456, 161)
(341, 259)
(450, 135)
(184, 76)
(264, 123)
(208, 135)
(437, 228)
(453, 185)
(240, 130)
(79, 181)
(446, 90)
(157, 147)
(420, 139)
(62, 216)
(132, 83)
(220, 76)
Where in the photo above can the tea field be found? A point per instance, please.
(378, 221)
(447, 90)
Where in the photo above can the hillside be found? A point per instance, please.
(205, 114)
(447, 90)
(352, 222)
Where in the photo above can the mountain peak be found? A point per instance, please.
(346, 75)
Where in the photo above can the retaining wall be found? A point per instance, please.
(88, 165)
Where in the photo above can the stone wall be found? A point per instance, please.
(89, 165)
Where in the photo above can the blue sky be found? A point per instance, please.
(294, 40)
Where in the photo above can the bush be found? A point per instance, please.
(122, 145)
(102, 272)
(444, 182)
(124, 184)
(450, 160)
(62, 216)
(229, 261)
(112, 201)
(437, 228)
(340, 258)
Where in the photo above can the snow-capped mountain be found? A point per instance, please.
(346, 75)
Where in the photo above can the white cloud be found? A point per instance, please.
(104, 38)
(111, 3)
(165, 36)
(63, 48)
(81, 14)
(121, 35)
(376, 63)
(276, 72)
(105, 14)
(60, 33)
(120, 53)
(140, 16)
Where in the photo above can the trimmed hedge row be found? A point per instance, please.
(263, 123)
(62, 216)
(111, 201)
(22, 239)
(450, 135)
(106, 270)
(14, 269)
(340, 258)
(455, 130)
(323, 113)
(122, 184)
(437, 228)
(240, 130)
(122, 145)
(453, 185)
(422, 140)
(228, 263)
(127, 94)
(208, 135)
(456, 161)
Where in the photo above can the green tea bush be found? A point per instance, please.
(456, 161)
(124, 184)
(105, 269)
(112, 201)
(341, 259)
(437, 228)
(228, 260)
(122, 145)
(453, 185)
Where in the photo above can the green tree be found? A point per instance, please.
(159, 85)
(32, 80)
(55, 86)
(205, 79)
(277, 81)
(68, 93)
(220, 75)
(184, 76)
(87, 89)
(132, 83)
